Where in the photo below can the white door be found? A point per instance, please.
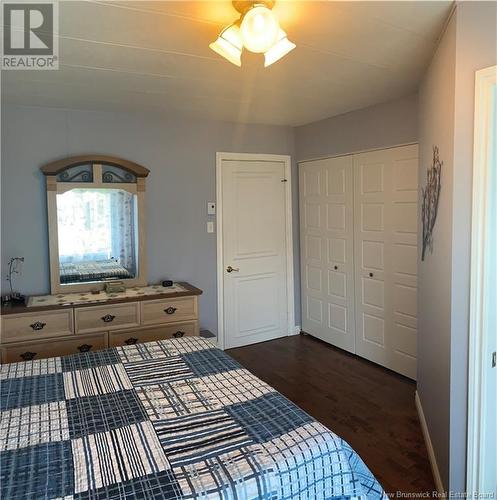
(386, 257)
(255, 250)
(326, 220)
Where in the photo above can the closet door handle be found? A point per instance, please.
(371, 275)
(27, 356)
(335, 268)
(131, 341)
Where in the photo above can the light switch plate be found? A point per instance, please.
(211, 208)
(210, 227)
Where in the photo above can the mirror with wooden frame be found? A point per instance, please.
(96, 222)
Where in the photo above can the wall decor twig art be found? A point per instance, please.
(431, 194)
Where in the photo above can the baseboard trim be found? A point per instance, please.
(429, 447)
(296, 330)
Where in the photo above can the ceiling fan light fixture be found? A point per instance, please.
(259, 29)
(229, 44)
(280, 49)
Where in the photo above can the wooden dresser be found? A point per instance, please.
(56, 330)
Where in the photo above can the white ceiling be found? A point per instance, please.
(154, 56)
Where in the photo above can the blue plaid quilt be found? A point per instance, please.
(167, 420)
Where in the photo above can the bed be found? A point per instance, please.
(92, 270)
(169, 419)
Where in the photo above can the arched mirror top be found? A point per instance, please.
(98, 169)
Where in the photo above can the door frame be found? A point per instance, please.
(358, 151)
(479, 366)
(286, 160)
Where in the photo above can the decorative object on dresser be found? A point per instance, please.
(96, 222)
(115, 286)
(14, 266)
(56, 325)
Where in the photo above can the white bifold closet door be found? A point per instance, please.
(359, 254)
(385, 241)
(327, 244)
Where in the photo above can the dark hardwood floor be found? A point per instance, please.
(370, 407)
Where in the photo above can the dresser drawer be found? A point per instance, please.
(26, 351)
(152, 333)
(36, 325)
(110, 317)
(168, 310)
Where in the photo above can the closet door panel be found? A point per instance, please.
(371, 174)
(327, 256)
(404, 260)
(386, 257)
(312, 244)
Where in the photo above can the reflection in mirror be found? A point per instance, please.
(97, 235)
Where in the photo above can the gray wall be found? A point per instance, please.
(476, 48)
(447, 119)
(436, 121)
(180, 153)
(379, 126)
(181, 156)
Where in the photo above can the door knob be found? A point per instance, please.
(231, 269)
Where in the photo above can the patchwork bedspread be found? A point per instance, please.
(92, 270)
(171, 419)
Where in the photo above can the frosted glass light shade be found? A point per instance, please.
(229, 45)
(281, 48)
(259, 29)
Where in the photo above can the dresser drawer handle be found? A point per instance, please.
(28, 356)
(107, 318)
(177, 335)
(170, 310)
(37, 325)
(84, 347)
(131, 341)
